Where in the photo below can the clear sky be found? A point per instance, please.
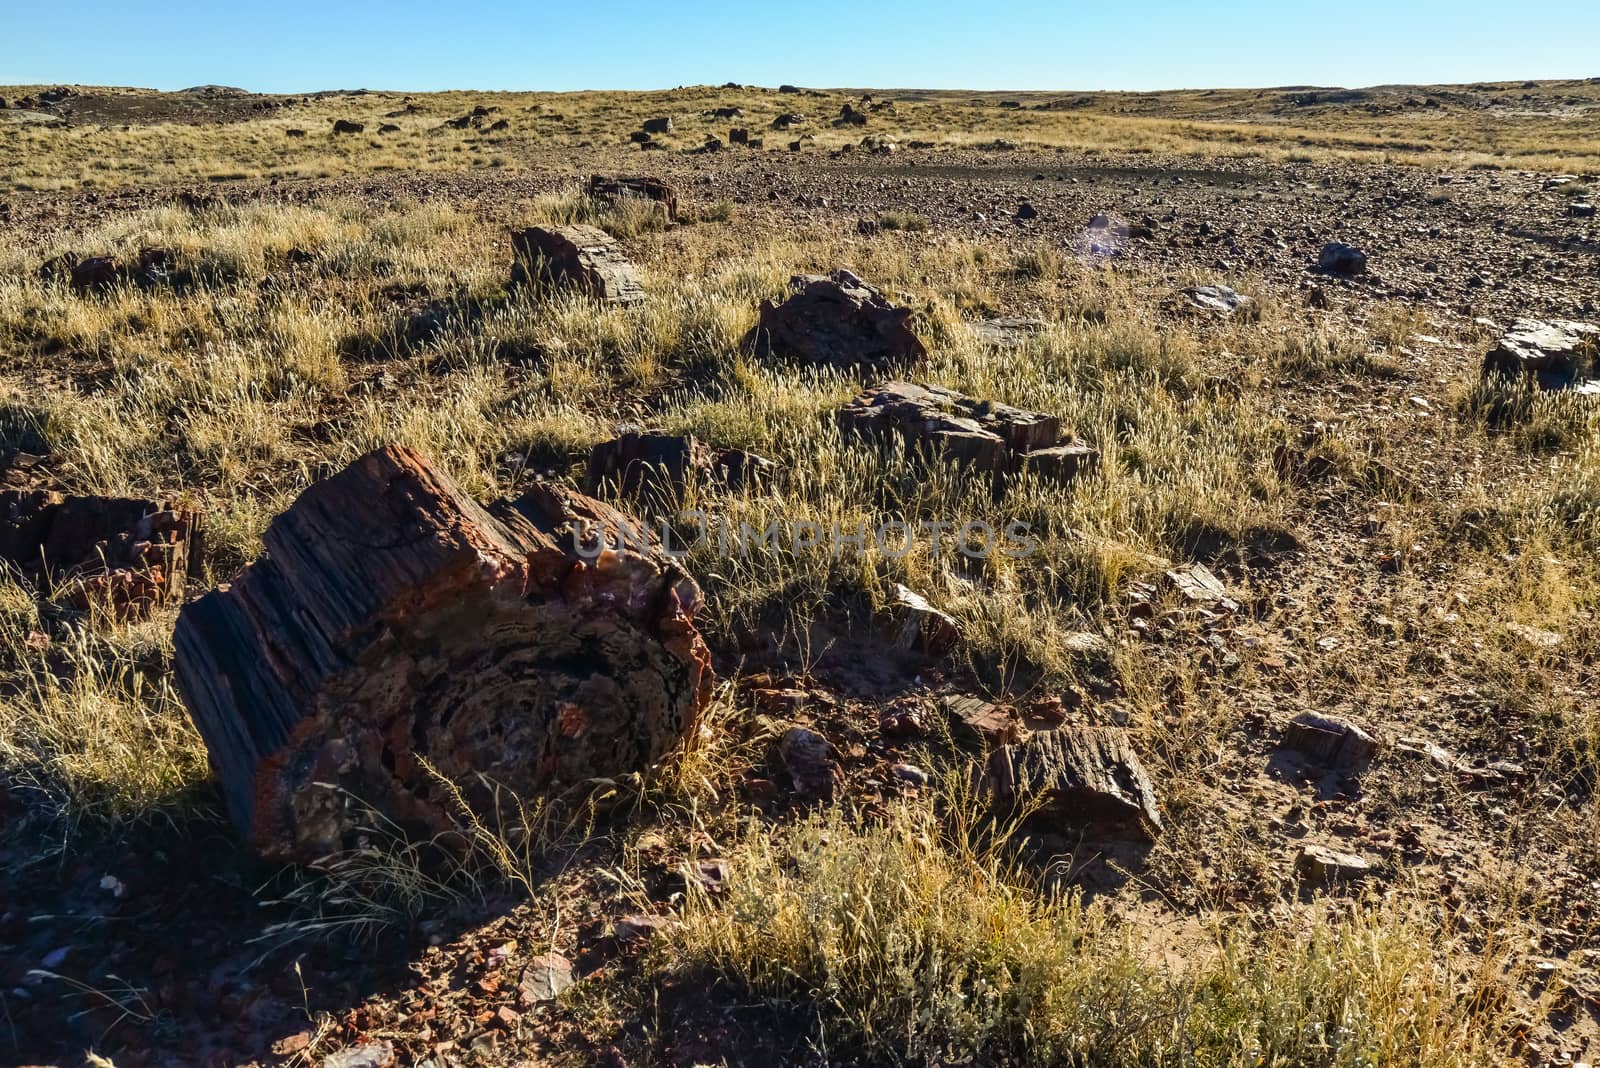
(296, 45)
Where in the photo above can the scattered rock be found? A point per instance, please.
(660, 125)
(738, 136)
(545, 978)
(1026, 211)
(1198, 585)
(1081, 776)
(1558, 354)
(661, 467)
(658, 466)
(837, 320)
(976, 721)
(345, 126)
(293, 132)
(1580, 209)
(1329, 740)
(393, 620)
(1320, 866)
(583, 257)
(366, 1055)
(1007, 332)
(1218, 299)
(910, 773)
(1535, 637)
(130, 554)
(1346, 260)
(641, 927)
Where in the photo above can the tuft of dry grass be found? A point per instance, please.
(904, 940)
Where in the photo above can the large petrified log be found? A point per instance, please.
(982, 434)
(579, 256)
(392, 621)
(836, 320)
(127, 552)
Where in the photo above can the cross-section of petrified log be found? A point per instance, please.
(392, 621)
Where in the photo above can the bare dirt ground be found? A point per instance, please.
(1381, 591)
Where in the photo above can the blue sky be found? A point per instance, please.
(294, 45)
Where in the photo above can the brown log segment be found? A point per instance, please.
(136, 552)
(392, 621)
(614, 188)
(1077, 775)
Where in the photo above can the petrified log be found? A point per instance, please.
(991, 437)
(836, 320)
(612, 188)
(1329, 740)
(1077, 775)
(392, 621)
(134, 553)
(659, 465)
(584, 257)
(1557, 355)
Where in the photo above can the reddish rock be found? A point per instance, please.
(393, 621)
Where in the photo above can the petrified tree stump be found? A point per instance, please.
(582, 257)
(392, 621)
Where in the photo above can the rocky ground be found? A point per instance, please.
(158, 947)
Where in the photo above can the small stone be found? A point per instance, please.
(1318, 865)
(1341, 259)
(1329, 739)
(910, 773)
(1198, 585)
(641, 927)
(367, 1055)
(545, 978)
(975, 720)
(916, 624)
(808, 758)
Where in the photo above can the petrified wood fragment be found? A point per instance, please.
(576, 256)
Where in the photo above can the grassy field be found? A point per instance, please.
(134, 137)
(906, 931)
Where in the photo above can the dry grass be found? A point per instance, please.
(131, 136)
(908, 937)
(902, 941)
